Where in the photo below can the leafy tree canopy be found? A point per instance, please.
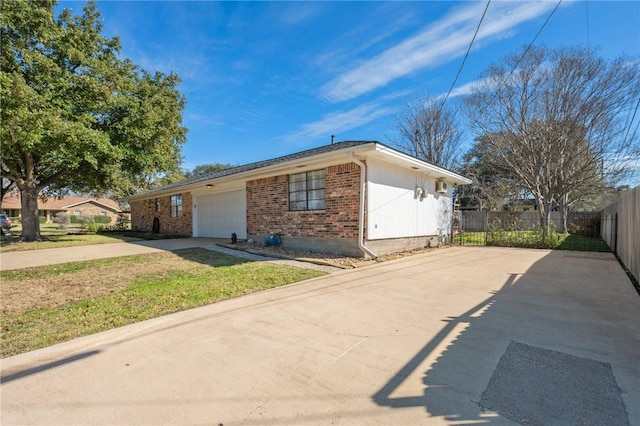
(493, 186)
(204, 169)
(75, 116)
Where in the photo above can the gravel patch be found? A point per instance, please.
(244, 254)
(328, 260)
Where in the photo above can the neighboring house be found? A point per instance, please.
(78, 206)
(354, 198)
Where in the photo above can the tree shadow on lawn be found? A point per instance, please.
(572, 313)
(583, 243)
(209, 257)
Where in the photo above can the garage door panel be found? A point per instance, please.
(219, 215)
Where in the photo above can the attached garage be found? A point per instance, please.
(221, 214)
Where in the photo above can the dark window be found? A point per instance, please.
(176, 205)
(306, 191)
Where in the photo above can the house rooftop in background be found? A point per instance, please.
(84, 206)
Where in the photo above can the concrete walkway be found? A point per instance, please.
(30, 258)
(55, 256)
(457, 336)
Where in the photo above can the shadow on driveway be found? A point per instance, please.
(558, 345)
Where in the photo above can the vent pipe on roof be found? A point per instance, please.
(332, 139)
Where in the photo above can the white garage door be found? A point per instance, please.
(219, 215)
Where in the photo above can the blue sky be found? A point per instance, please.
(264, 79)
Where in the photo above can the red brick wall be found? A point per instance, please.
(144, 211)
(268, 206)
(90, 209)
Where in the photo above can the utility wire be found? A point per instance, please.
(588, 32)
(633, 117)
(465, 57)
(534, 39)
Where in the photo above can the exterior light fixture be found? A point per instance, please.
(209, 186)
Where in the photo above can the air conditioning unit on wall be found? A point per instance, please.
(441, 187)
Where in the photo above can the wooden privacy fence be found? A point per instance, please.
(621, 229)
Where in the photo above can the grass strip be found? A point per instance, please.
(54, 237)
(65, 268)
(65, 240)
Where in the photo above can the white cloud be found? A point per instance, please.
(297, 13)
(466, 89)
(437, 44)
(340, 122)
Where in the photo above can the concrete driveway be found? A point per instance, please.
(457, 336)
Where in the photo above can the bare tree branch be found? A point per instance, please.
(430, 132)
(560, 122)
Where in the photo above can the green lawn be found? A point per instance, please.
(469, 238)
(582, 243)
(127, 290)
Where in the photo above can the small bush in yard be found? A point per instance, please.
(85, 221)
(95, 227)
(101, 219)
(63, 220)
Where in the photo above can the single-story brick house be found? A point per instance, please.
(359, 198)
(73, 206)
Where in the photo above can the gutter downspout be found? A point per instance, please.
(363, 169)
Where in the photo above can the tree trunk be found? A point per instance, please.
(29, 215)
(544, 213)
(564, 211)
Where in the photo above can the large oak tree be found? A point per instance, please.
(75, 115)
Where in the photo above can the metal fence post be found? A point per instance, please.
(486, 226)
(615, 233)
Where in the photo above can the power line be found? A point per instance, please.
(534, 39)
(633, 117)
(465, 56)
(588, 32)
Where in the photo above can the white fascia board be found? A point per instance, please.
(397, 157)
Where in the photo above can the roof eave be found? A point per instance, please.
(309, 163)
(422, 166)
(301, 164)
(66, 207)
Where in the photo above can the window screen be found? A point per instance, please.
(176, 205)
(306, 191)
